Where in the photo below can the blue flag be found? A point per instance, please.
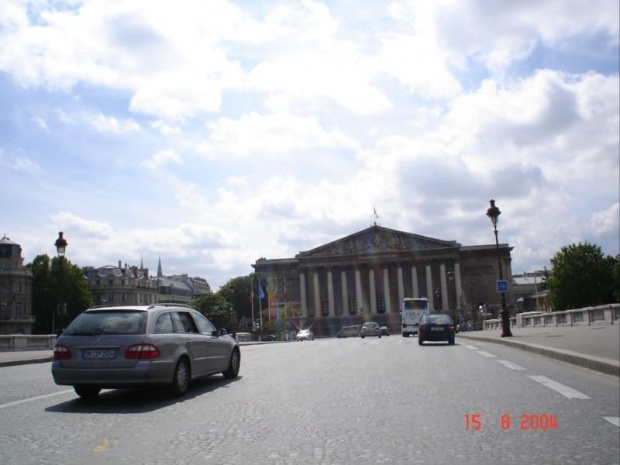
(261, 294)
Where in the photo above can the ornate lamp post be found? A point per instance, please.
(61, 248)
(493, 213)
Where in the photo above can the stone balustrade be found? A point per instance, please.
(606, 314)
(15, 342)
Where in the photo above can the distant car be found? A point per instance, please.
(348, 331)
(304, 335)
(436, 327)
(385, 330)
(164, 345)
(268, 337)
(370, 329)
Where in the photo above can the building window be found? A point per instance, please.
(352, 305)
(380, 304)
(325, 307)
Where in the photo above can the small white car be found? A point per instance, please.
(370, 329)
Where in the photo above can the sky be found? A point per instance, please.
(210, 134)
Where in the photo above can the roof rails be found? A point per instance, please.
(171, 304)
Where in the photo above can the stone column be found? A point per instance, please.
(330, 292)
(345, 291)
(358, 289)
(317, 294)
(401, 285)
(444, 286)
(373, 291)
(414, 281)
(429, 287)
(386, 289)
(302, 294)
(457, 281)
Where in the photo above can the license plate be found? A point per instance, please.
(436, 329)
(98, 354)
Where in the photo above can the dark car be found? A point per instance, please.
(164, 345)
(269, 337)
(436, 327)
(385, 330)
(348, 331)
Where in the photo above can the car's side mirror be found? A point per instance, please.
(222, 332)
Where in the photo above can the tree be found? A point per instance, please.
(59, 290)
(237, 292)
(581, 276)
(217, 309)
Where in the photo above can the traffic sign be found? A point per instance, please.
(502, 285)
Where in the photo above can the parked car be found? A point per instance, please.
(162, 345)
(268, 337)
(370, 329)
(348, 331)
(304, 335)
(385, 330)
(436, 327)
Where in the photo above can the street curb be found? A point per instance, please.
(600, 364)
(12, 363)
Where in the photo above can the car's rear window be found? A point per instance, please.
(119, 322)
(438, 319)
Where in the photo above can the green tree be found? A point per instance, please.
(581, 276)
(237, 292)
(217, 309)
(615, 283)
(59, 290)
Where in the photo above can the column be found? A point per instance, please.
(373, 291)
(345, 291)
(330, 292)
(414, 281)
(401, 285)
(358, 289)
(429, 287)
(317, 294)
(444, 286)
(386, 289)
(457, 281)
(302, 294)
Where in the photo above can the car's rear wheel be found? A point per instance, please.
(233, 365)
(87, 392)
(379, 336)
(181, 379)
(420, 341)
(451, 341)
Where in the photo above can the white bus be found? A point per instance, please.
(412, 310)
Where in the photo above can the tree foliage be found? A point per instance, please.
(59, 289)
(217, 309)
(581, 276)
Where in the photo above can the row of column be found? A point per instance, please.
(390, 307)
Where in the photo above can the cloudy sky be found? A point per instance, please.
(214, 133)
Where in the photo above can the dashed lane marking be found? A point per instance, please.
(512, 366)
(471, 347)
(486, 354)
(566, 391)
(32, 399)
(613, 420)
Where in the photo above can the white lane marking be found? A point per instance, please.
(566, 391)
(613, 420)
(32, 399)
(486, 354)
(471, 347)
(512, 366)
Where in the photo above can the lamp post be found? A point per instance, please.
(493, 213)
(61, 248)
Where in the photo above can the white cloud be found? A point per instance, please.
(161, 159)
(110, 124)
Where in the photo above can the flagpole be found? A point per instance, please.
(252, 303)
(260, 309)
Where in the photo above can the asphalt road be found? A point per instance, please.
(351, 401)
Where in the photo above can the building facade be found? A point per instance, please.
(121, 285)
(366, 275)
(15, 290)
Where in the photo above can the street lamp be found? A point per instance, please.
(493, 213)
(61, 248)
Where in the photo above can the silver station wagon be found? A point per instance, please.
(166, 345)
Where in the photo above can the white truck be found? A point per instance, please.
(412, 310)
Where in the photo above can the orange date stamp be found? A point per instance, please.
(524, 422)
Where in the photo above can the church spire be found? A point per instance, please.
(159, 271)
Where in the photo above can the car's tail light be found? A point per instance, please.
(61, 353)
(142, 352)
(452, 328)
(422, 328)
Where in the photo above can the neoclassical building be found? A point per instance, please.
(366, 275)
(15, 290)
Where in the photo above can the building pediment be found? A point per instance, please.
(378, 240)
